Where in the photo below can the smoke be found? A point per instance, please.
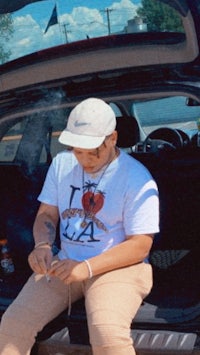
(40, 129)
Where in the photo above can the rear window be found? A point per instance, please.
(45, 24)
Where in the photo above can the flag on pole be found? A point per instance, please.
(53, 19)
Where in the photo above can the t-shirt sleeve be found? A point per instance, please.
(141, 211)
(49, 193)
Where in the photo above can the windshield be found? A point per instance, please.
(46, 23)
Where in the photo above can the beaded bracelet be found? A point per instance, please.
(41, 243)
(89, 268)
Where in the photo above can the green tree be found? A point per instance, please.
(6, 31)
(160, 17)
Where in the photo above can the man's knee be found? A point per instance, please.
(111, 340)
(110, 335)
(109, 329)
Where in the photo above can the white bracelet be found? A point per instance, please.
(89, 268)
(41, 243)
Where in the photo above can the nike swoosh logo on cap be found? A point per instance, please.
(77, 123)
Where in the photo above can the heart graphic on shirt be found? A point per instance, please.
(92, 202)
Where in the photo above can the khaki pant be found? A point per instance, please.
(112, 300)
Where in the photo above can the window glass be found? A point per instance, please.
(10, 142)
(45, 24)
(34, 138)
(174, 112)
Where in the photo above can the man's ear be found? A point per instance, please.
(114, 137)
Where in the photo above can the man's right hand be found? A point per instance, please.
(40, 259)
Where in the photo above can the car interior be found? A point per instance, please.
(172, 155)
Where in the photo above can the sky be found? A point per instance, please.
(78, 20)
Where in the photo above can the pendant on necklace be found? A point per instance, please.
(83, 224)
(92, 201)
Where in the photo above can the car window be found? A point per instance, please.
(10, 141)
(34, 137)
(41, 130)
(45, 24)
(174, 112)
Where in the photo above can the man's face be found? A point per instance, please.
(93, 160)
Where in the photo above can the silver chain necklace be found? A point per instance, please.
(91, 200)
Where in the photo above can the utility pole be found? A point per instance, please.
(65, 31)
(108, 18)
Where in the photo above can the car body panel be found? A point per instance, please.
(7, 7)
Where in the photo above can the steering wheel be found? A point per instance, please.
(163, 139)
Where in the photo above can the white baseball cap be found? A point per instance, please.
(88, 124)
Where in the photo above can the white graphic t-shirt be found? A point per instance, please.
(98, 213)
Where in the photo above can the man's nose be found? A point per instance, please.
(86, 160)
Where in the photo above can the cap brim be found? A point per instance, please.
(80, 141)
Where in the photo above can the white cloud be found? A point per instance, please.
(28, 37)
(122, 12)
(25, 42)
(81, 22)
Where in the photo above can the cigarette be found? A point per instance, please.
(54, 262)
(47, 278)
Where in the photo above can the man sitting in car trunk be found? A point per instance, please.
(106, 204)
